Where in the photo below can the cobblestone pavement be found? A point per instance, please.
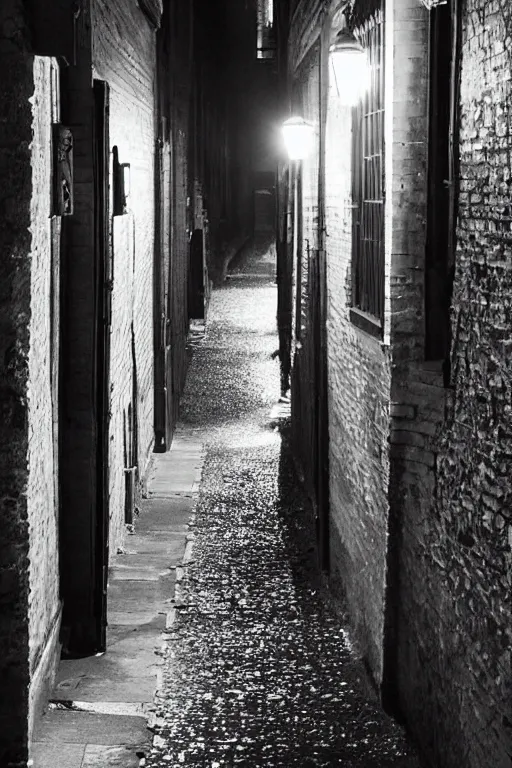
(258, 666)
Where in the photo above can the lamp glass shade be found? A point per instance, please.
(350, 67)
(298, 137)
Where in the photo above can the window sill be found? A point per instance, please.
(366, 322)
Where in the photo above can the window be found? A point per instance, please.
(368, 187)
(266, 37)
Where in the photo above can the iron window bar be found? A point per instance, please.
(368, 186)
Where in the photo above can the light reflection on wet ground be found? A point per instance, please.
(258, 671)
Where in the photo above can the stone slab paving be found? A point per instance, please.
(76, 727)
(178, 472)
(58, 754)
(102, 706)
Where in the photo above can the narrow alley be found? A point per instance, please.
(255, 383)
(258, 667)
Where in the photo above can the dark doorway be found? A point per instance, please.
(84, 408)
(196, 277)
(163, 420)
(103, 265)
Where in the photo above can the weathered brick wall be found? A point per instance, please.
(42, 501)
(455, 635)
(16, 88)
(358, 389)
(124, 54)
(439, 596)
(29, 601)
(417, 395)
(406, 128)
(310, 98)
(122, 370)
(359, 370)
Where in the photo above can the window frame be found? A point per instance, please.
(368, 187)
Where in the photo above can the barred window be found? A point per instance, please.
(368, 186)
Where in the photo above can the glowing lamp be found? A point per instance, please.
(350, 65)
(298, 137)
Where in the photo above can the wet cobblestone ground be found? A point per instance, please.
(258, 667)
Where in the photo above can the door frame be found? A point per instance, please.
(103, 301)
(85, 301)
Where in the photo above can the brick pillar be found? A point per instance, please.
(416, 399)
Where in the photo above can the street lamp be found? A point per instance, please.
(298, 137)
(350, 66)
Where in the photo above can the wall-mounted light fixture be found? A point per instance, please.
(349, 63)
(126, 171)
(121, 184)
(298, 137)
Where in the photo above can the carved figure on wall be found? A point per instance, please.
(63, 171)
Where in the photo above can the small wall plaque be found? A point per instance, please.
(62, 171)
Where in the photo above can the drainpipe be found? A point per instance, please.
(453, 166)
(322, 393)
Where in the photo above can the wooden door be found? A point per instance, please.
(162, 285)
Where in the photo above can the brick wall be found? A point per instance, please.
(417, 395)
(16, 88)
(359, 377)
(42, 500)
(124, 54)
(428, 586)
(310, 98)
(359, 367)
(406, 127)
(455, 629)
(29, 600)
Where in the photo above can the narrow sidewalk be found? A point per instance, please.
(102, 707)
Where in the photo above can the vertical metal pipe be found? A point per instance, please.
(297, 177)
(322, 374)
